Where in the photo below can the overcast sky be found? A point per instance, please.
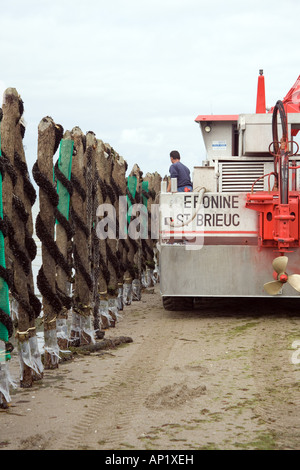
(138, 72)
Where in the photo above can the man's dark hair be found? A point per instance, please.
(174, 154)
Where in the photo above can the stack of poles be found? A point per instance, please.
(91, 265)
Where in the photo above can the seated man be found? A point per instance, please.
(181, 172)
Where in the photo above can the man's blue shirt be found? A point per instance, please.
(182, 173)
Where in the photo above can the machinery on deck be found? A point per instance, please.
(240, 225)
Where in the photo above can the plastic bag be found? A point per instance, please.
(127, 294)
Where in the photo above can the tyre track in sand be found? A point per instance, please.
(277, 378)
(114, 419)
(113, 415)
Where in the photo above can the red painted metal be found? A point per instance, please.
(213, 117)
(278, 209)
(261, 95)
(283, 278)
(291, 102)
(292, 99)
(278, 223)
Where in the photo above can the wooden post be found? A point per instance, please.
(136, 283)
(131, 245)
(64, 234)
(49, 136)
(11, 115)
(6, 325)
(83, 285)
(114, 264)
(154, 183)
(103, 317)
(118, 181)
(13, 207)
(146, 243)
(96, 267)
(87, 328)
(25, 197)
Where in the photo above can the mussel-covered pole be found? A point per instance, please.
(131, 245)
(139, 226)
(17, 258)
(64, 234)
(49, 136)
(87, 326)
(118, 181)
(95, 255)
(114, 265)
(102, 316)
(6, 325)
(152, 182)
(24, 198)
(83, 286)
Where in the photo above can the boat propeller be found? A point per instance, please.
(274, 287)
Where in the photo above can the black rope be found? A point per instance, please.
(79, 265)
(33, 308)
(19, 206)
(45, 185)
(46, 291)
(18, 253)
(6, 321)
(77, 186)
(34, 302)
(47, 240)
(110, 192)
(113, 260)
(104, 269)
(122, 267)
(63, 179)
(65, 223)
(147, 248)
(8, 168)
(152, 193)
(134, 244)
(128, 193)
(118, 191)
(101, 184)
(64, 299)
(79, 223)
(59, 130)
(124, 244)
(145, 194)
(59, 216)
(5, 318)
(28, 187)
(7, 276)
(49, 243)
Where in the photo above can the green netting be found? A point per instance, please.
(65, 166)
(145, 188)
(4, 292)
(131, 184)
